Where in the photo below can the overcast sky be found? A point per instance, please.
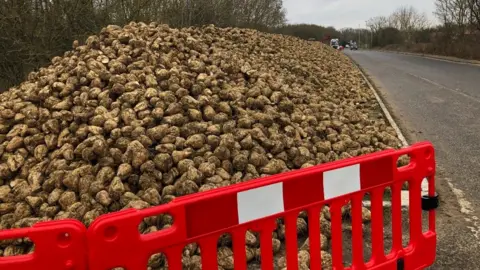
(348, 13)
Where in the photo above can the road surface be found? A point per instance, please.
(439, 101)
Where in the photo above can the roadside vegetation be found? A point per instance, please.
(34, 31)
(457, 32)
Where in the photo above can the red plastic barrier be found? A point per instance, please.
(114, 239)
(59, 245)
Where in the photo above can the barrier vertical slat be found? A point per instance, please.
(314, 238)
(415, 204)
(174, 257)
(357, 231)
(239, 251)
(397, 217)
(431, 193)
(266, 247)
(378, 253)
(291, 240)
(208, 249)
(336, 225)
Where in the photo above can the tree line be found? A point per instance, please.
(33, 31)
(402, 26)
(308, 31)
(458, 33)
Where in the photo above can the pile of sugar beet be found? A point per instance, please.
(139, 115)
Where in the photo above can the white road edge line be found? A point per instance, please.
(387, 114)
(465, 205)
(467, 209)
(401, 137)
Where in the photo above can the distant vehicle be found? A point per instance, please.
(353, 46)
(335, 43)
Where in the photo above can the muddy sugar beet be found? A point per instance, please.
(140, 115)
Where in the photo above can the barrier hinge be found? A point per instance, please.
(400, 264)
(430, 202)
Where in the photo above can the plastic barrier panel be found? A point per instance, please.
(114, 239)
(59, 245)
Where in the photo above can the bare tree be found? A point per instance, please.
(474, 8)
(407, 20)
(458, 35)
(377, 23)
(454, 12)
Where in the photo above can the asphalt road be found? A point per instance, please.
(439, 101)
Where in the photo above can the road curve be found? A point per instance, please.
(439, 101)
